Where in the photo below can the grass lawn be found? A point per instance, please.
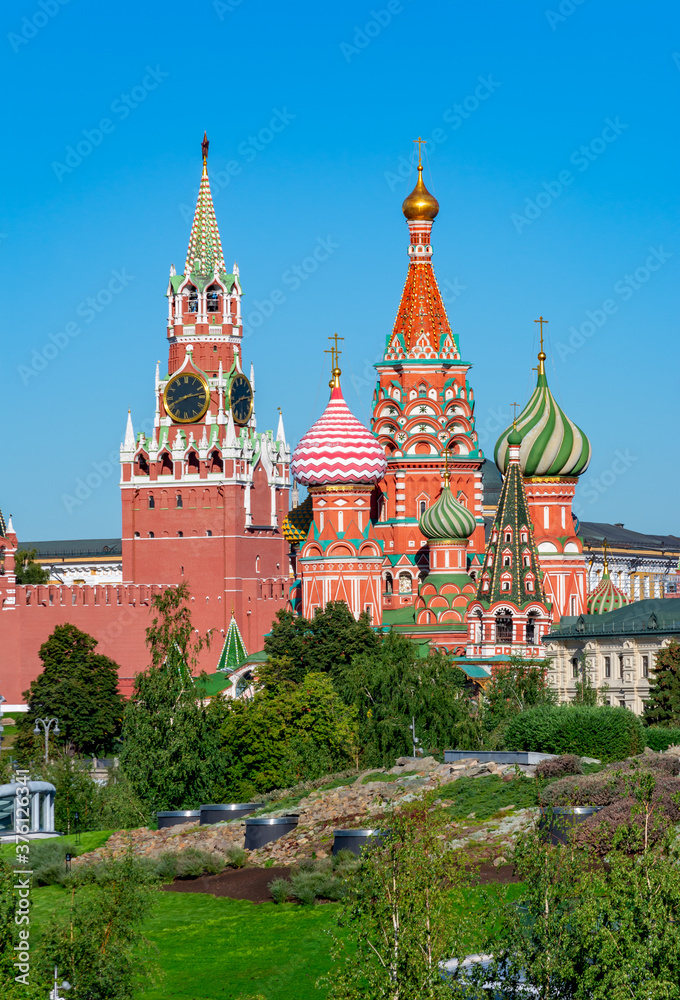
(88, 842)
(223, 949)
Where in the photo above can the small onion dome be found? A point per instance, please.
(447, 519)
(296, 523)
(552, 445)
(606, 597)
(515, 436)
(338, 448)
(420, 205)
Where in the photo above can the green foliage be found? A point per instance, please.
(589, 731)
(485, 796)
(27, 569)
(98, 945)
(34, 987)
(590, 932)
(295, 732)
(513, 688)
(324, 644)
(237, 857)
(663, 705)
(586, 693)
(171, 749)
(401, 915)
(393, 685)
(662, 737)
(77, 686)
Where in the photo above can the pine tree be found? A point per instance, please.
(663, 705)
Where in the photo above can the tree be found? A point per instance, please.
(27, 569)
(663, 705)
(286, 734)
(77, 686)
(326, 643)
(98, 944)
(403, 915)
(394, 685)
(170, 752)
(513, 688)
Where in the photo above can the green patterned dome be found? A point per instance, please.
(447, 519)
(606, 597)
(552, 445)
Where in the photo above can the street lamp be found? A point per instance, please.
(54, 994)
(47, 724)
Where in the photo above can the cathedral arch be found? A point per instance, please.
(142, 464)
(340, 551)
(191, 293)
(212, 298)
(166, 466)
(216, 463)
(192, 463)
(389, 583)
(503, 624)
(405, 583)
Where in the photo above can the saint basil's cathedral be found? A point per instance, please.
(393, 523)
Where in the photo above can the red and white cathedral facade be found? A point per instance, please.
(393, 524)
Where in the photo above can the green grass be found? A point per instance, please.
(486, 795)
(89, 841)
(223, 949)
(288, 801)
(381, 776)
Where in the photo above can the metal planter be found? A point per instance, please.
(264, 829)
(227, 811)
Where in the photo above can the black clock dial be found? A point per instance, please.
(241, 399)
(187, 397)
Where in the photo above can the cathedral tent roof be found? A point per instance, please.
(234, 651)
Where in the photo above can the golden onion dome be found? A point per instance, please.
(420, 205)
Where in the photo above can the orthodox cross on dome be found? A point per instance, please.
(421, 142)
(335, 353)
(514, 413)
(541, 356)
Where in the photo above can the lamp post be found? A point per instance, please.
(54, 994)
(416, 741)
(47, 724)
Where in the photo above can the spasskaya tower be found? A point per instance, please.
(204, 497)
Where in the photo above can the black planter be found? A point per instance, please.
(355, 840)
(264, 829)
(176, 816)
(230, 810)
(556, 823)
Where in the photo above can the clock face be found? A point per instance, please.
(241, 399)
(186, 398)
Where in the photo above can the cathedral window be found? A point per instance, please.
(546, 517)
(503, 626)
(192, 299)
(216, 463)
(180, 534)
(405, 583)
(531, 626)
(166, 465)
(423, 507)
(142, 466)
(178, 500)
(151, 534)
(506, 560)
(208, 534)
(523, 536)
(213, 298)
(530, 585)
(388, 583)
(508, 536)
(505, 585)
(152, 501)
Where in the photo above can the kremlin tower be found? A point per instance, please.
(341, 558)
(422, 406)
(554, 452)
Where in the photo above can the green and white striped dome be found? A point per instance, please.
(606, 597)
(552, 444)
(447, 519)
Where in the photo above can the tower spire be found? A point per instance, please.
(204, 254)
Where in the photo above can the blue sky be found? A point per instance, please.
(553, 151)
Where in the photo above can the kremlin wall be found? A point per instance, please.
(394, 519)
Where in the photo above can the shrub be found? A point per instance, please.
(568, 763)
(595, 731)
(48, 861)
(662, 737)
(622, 824)
(279, 890)
(236, 857)
(189, 863)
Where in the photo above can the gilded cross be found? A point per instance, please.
(541, 321)
(421, 142)
(514, 412)
(334, 351)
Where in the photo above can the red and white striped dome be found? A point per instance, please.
(338, 449)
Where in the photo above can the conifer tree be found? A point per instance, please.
(663, 705)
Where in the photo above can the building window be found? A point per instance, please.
(152, 502)
(504, 627)
(192, 299)
(574, 666)
(208, 534)
(180, 534)
(508, 536)
(506, 560)
(423, 507)
(151, 534)
(178, 500)
(531, 626)
(546, 517)
(136, 534)
(213, 299)
(388, 583)
(505, 585)
(573, 607)
(607, 666)
(405, 583)
(530, 585)
(622, 702)
(645, 666)
(621, 665)
(523, 536)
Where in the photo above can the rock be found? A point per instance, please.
(497, 862)
(674, 751)
(471, 815)
(504, 809)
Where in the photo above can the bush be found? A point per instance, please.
(622, 824)
(593, 731)
(237, 857)
(48, 861)
(568, 763)
(279, 890)
(662, 737)
(189, 863)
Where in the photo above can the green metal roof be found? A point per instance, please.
(660, 614)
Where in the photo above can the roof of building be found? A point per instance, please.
(234, 652)
(338, 448)
(659, 614)
(296, 524)
(492, 483)
(552, 444)
(76, 548)
(593, 534)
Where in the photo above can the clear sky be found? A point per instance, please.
(552, 147)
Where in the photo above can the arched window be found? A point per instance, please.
(524, 537)
(530, 585)
(192, 299)
(405, 583)
(152, 501)
(151, 534)
(389, 583)
(257, 564)
(213, 298)
(136, 534)
(527, 559)
(208, 534)
(180, 534)
(423, 507)
(166, 464)
(192, 464)
(531, 626)
(178, 500)
(216, 463)
(506, 560)
(141, 465)
(508, 536)
(503, 626)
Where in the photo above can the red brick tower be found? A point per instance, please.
(422, 405)
(205, 496)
